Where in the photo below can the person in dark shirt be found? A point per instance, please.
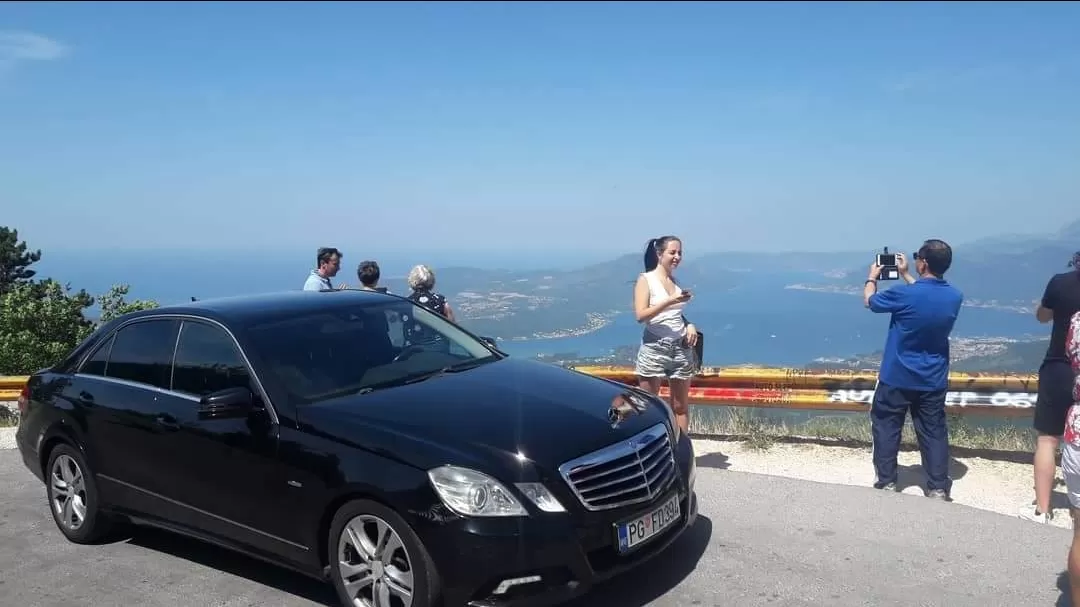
(1060, 300)
(421, 280)
(914, 374)
(368, 272)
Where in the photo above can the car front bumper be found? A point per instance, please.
(539, 561)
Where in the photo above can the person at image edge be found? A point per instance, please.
(1060, 301)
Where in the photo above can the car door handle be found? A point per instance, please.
(168, 422)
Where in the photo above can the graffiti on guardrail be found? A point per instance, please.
(738, 395)
(1019, 400)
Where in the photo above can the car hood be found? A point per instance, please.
(503, 414)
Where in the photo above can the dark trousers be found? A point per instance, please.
(887, 413)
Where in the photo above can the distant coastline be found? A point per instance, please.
(594, 322)
(988, 350)
(1018, 306)
(971, 353)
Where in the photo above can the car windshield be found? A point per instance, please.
(343, 350)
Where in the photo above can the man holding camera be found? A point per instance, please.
(914, 374)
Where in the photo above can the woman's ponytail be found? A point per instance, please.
(651, 258)
(653, 250)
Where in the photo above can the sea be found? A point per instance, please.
(781, 327)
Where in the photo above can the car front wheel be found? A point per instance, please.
(376, 560)
(73, 496)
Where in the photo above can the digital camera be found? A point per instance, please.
(890, 270)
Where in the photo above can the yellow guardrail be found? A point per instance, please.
(11, 386)
(1008, 394)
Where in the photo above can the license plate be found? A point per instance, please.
(647, 526)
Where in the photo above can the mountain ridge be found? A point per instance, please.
(1004, 270)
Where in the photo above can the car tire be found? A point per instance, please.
(73, 496)
(363, 520)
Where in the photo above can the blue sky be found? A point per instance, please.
(536, 127)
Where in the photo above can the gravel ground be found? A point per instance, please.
(7, 438)
(993, 485)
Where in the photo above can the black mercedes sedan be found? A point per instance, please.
(361, 439)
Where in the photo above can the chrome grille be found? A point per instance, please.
(629, 472)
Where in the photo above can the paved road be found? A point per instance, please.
(760, 541)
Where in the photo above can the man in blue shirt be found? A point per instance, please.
(914, 373)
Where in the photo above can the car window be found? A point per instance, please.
(142, 352)
(341, 350)
(395, 328)
(207, 361)
(456, 349)
(98, 362)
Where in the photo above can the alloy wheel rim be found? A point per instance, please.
(375, 567)
(68, 492)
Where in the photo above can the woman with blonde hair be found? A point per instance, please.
(422, 282)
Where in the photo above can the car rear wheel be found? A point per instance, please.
(376, 560)
(73, 496)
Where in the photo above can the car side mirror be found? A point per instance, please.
(227, 403)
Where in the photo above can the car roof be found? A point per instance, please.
(244, 310)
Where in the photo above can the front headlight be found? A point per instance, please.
(471, 493)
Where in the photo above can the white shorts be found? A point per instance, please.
(665, 357)
(1070, 468)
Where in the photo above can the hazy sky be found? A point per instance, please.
(491, 126)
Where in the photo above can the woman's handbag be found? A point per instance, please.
(699, 352)
(699, 348)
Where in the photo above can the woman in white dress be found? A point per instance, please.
(667, 342)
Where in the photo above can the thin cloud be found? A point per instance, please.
(999, 73)
(21, 47)
(913, 80)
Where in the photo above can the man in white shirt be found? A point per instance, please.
(328, 262)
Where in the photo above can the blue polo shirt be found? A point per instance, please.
(917, 349)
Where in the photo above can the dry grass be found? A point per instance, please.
(9, 418)
(760, 432)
